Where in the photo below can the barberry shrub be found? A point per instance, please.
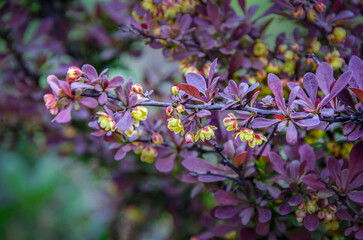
(283, 123)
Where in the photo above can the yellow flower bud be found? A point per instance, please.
(137, 88)
(174, 90)
(169, 111)
(339, 34)
(260, 49)
(157, 138)
(180, 108)
(273, 67)
(73, 74)
(298, 12)
(311, 15)
(148, 154)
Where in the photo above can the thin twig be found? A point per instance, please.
(227, 162)
(209, 173)
(269, 138)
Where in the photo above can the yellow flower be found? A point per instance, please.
(106, 121)
(257, 140)
(205, 133)
(231, 123)
(273, 67)
(339, 34)
(148, 154)
(260, 48)
(139, 113)
(245, 134)
(334, 60)
(130, 132)
(176, 125)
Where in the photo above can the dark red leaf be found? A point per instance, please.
(192, 91)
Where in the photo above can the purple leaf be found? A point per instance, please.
(125, 122)
(311, 222)
(102, 99)
(251, 11)
(357, 133)
(343, 16)
(64, 115)
(200, 165)
(339, 85)
(120, 154)
(333, 167)
(263, 122)
(226, 212)
(88, 102)
(246, 215)
(275, 86)
(90, 72)
(309, 122)
(210, 178)
(197, 81)
(307, 155)
(264, 215)
(324, 75)
(185, 22)
(66, 88)
(356, 66)
(285, 208)
(213, 14)
(166, 165)
(295, 200)
(356, 160)
(311, 180)
(344, 215)
(75, 85)
(311, 86)
(203, 113)
(226, 198)
(211, 71)
(187, 178)
(292, 96)
(356, 196)
(263, 228)
(52, 81)
(291, 134)
(116, 82)
(356, 182)
(278, 163)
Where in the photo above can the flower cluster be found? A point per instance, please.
(286, 93)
